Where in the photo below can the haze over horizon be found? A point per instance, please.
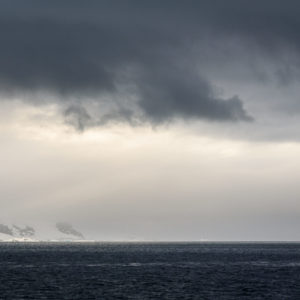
(152, 120)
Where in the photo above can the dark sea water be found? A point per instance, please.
(150, 271)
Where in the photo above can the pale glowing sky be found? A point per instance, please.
(119, 182)
(168, 121)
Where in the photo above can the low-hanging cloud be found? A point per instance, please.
(134, 57)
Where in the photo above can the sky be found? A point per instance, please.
(152, 120)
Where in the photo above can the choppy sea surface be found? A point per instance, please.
(149, 271)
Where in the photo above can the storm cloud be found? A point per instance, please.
(141, 61)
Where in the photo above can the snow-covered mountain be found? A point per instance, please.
(59, 232)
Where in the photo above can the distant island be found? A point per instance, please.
(61, 231)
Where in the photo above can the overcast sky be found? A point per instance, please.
(152, 120)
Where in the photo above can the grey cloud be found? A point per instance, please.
(79, 50)
(74, 50)
(77, 116)
(172, 93)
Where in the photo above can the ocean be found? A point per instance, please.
(149, 271)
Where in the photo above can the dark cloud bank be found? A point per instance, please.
(135, 61)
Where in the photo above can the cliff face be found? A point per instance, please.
(14, 233)
(27, 231)
(6, 230)
(68, 229)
